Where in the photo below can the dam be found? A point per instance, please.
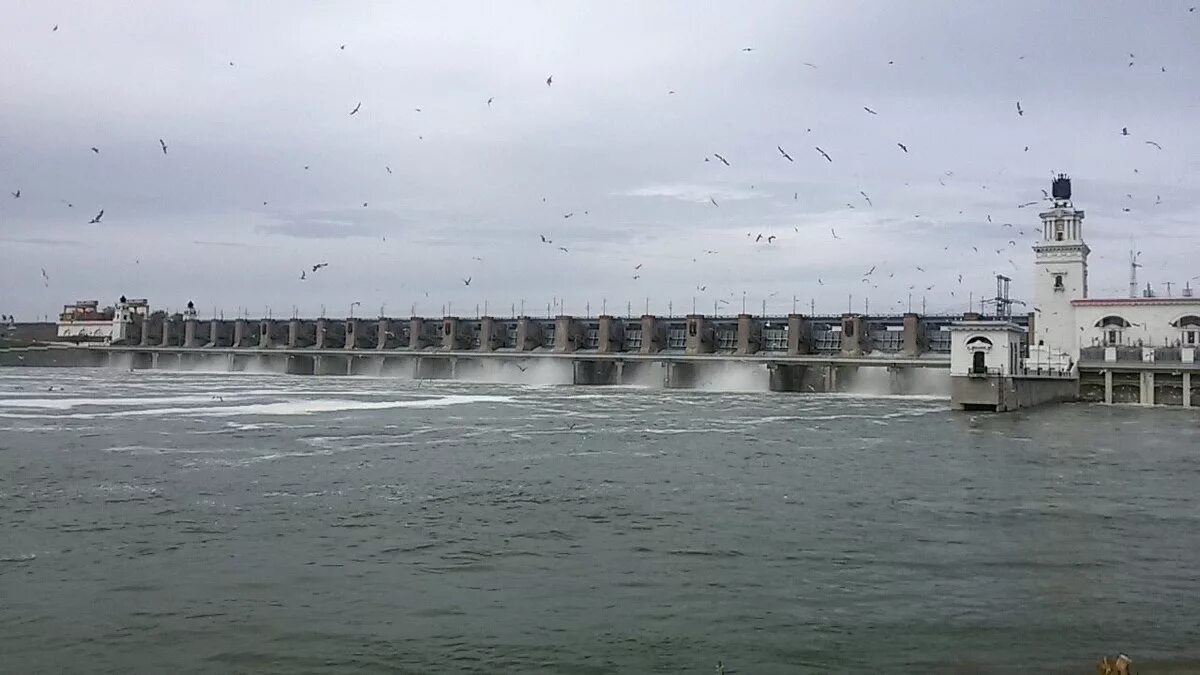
(781, 353)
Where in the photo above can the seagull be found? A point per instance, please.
(356, 107)
(95, 220)
(549, 80)
(490, 99)
(714, 202)
(637, 276)
(521, 368)
(1020, 112)
(364, 204)
(389, 169)
(467, 281)
(45, 278)
(637, 266)
(319, 266)
(834, 233)
(568, 215)
(771, 239)
(823, 153)
(747, 49)
(702, 288)
(164, 145)
(903, 147)
(920, 269)
(55, 29)
(17, 194)
(723, 160)
(810, 65)
(758, 238)
(866, 198)
(870, 271)
(1124, 131)
(545, 240)
(869, 110)
(303, 275)
(343, 48)
(785, 155)
(1154, 144)
(95, 150)
(563, 249)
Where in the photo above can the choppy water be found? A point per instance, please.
(355, 525)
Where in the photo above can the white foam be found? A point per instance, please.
(292, 407)
(68, 403)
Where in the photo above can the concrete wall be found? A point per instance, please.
(1004, 394)
(855, 341)
(749, 335)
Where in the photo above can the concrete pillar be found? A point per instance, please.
(749, 335)
(385, 338)
(568, 334)
(266, 334)
(293, 339)
(189, 333)
(529, 334)
(798, 335)
(154, 360)
(1147, 388)
(167, 327)
(699, 338)
(679, 375)
(489, 334)
(653, 335)
(1187, 390)
(610, 335)
(239, 333)
(416, 333)
(831, 379)
(1108, 387)
(353, 328)
(216, 334)
(853, 339)
(450, 333)
(914, 335)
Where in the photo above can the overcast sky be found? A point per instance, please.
(267, 173)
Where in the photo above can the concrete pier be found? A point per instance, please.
(610, 335)
(491, 334)
(914, 335)
(749, 335)
(799, 335)
(855, 341)
(218, 334)
(700, 337)
(330, 334)
(568, 334)
(654, 337)
(529, 334)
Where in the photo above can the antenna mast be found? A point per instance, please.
(1133, 268)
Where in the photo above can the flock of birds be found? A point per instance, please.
(869, 277)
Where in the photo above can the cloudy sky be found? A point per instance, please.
(267, 173)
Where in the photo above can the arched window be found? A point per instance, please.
(1113, 329)
(1058, 282)
(1189, 328)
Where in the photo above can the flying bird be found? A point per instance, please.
(95, 220)
(568, 215)
(834, 233)
(747, 49)
(714, 202)
(1154, 144)
(563, 249)
(903, 147)
(1020, 112)
(637, 266)
(723, 160)
(549, 80)
(771, 239)
(17, 194)
(866, 198)
(545, 240)
(870, 271)
(785, 155)
(823, 153)
(389, 169)
(303, 275)
(356, 107)
(55, 29)
(758, 238)
(490, 99)
(1124, 131)
(810, 65)
(869, 110)
(343, 48)
(467, 281)
(319, 266)
(164, 145)
(95, 150)
(701, 288)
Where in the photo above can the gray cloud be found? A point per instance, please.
(468, 180)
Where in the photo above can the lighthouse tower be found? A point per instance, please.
(1061, 269)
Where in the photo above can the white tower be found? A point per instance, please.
(1061, 269)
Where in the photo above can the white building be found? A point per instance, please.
(85, 321)
(1066, 319)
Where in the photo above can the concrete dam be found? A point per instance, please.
(891, 354)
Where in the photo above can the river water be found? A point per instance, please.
(156, 522)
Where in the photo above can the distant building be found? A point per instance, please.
(1066, 319)
(86, 321)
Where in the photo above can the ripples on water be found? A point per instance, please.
(200, 523)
